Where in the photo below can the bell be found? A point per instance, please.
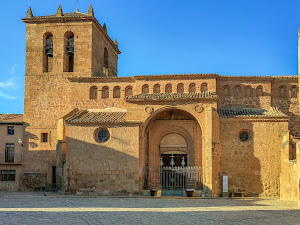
(49, 52)
(70, 50)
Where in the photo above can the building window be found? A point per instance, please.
(93, 92)
(294, 91)
(10, 130)
(105, 63)
(48, 56)
(259, 91)
(128, 91)
(226, 90)
(44, 137)
(180, 88)
(8, 175)
(117, 92)
(249, 91)
(192, 88)
(168, 88)
(237, 92)
(9, 153)
(156, 88)
(145, 89)
(283, 92)
(204, 87)
(244, 136)
(70, 52)
(102, 135)
(105, 92)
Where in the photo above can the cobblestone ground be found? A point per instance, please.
(39, 208)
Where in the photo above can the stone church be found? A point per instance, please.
(86, 130)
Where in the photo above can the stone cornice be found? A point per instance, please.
(100, 79)
(259, 78)
(256, 119)
(176, 76)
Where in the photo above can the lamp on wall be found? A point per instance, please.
(20, 141)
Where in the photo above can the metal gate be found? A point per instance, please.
(175, 179)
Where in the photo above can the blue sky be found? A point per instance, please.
(233, 37)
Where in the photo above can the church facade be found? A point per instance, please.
(88, 130)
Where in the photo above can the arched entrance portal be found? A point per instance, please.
(173, 153)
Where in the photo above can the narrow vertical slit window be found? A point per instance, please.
(105, 63)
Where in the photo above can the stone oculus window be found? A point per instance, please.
(244, 136)
(102, 135)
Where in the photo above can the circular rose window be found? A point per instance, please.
(102, 135)
(244, 136)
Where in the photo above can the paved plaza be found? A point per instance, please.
(47, 208)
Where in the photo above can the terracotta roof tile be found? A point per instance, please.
(251, 112)
(170, 96)
(11, 118)
(85, 116)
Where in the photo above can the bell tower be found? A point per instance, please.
(69, 44)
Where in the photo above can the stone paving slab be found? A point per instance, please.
(44, 208)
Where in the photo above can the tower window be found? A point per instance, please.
(70, 52)
(283, 92)
(105, 63)
(48, 57)
(249, 91)
(237, 92)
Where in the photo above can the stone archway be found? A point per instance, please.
(171, 123)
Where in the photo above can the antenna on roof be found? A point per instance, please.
(77, 10)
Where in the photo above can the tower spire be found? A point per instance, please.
(29, 13)
(77, 10)
(91, 10)
(59, 11)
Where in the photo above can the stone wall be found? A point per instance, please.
(253, 167)
(110, 167)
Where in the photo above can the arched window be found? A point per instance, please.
(259, 91)
(168, 88)
(69, 53)
(237, 92)
(105, 92)
(249, 92)
(48, 56)
(283, 92)
(294, 91)
(128, 91)
(93, 92)
(156, 88)
(226, 90)
(117, 92)
(105, 63)
(204, 87)
(192, 88)
(180, 88)
(145, 89)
